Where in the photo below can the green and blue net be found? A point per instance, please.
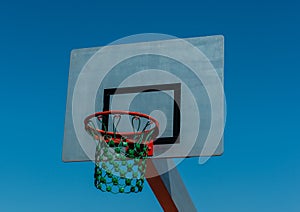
(120, 157)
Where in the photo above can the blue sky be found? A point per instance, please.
(259, 170)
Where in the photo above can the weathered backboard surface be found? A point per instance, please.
(178, 81)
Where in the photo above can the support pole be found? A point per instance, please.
(168, 188)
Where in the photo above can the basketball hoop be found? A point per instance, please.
(120, 157)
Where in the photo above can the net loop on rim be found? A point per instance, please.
(120, 157)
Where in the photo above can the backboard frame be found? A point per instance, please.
(212, 48)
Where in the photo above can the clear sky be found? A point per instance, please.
(259, 170)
